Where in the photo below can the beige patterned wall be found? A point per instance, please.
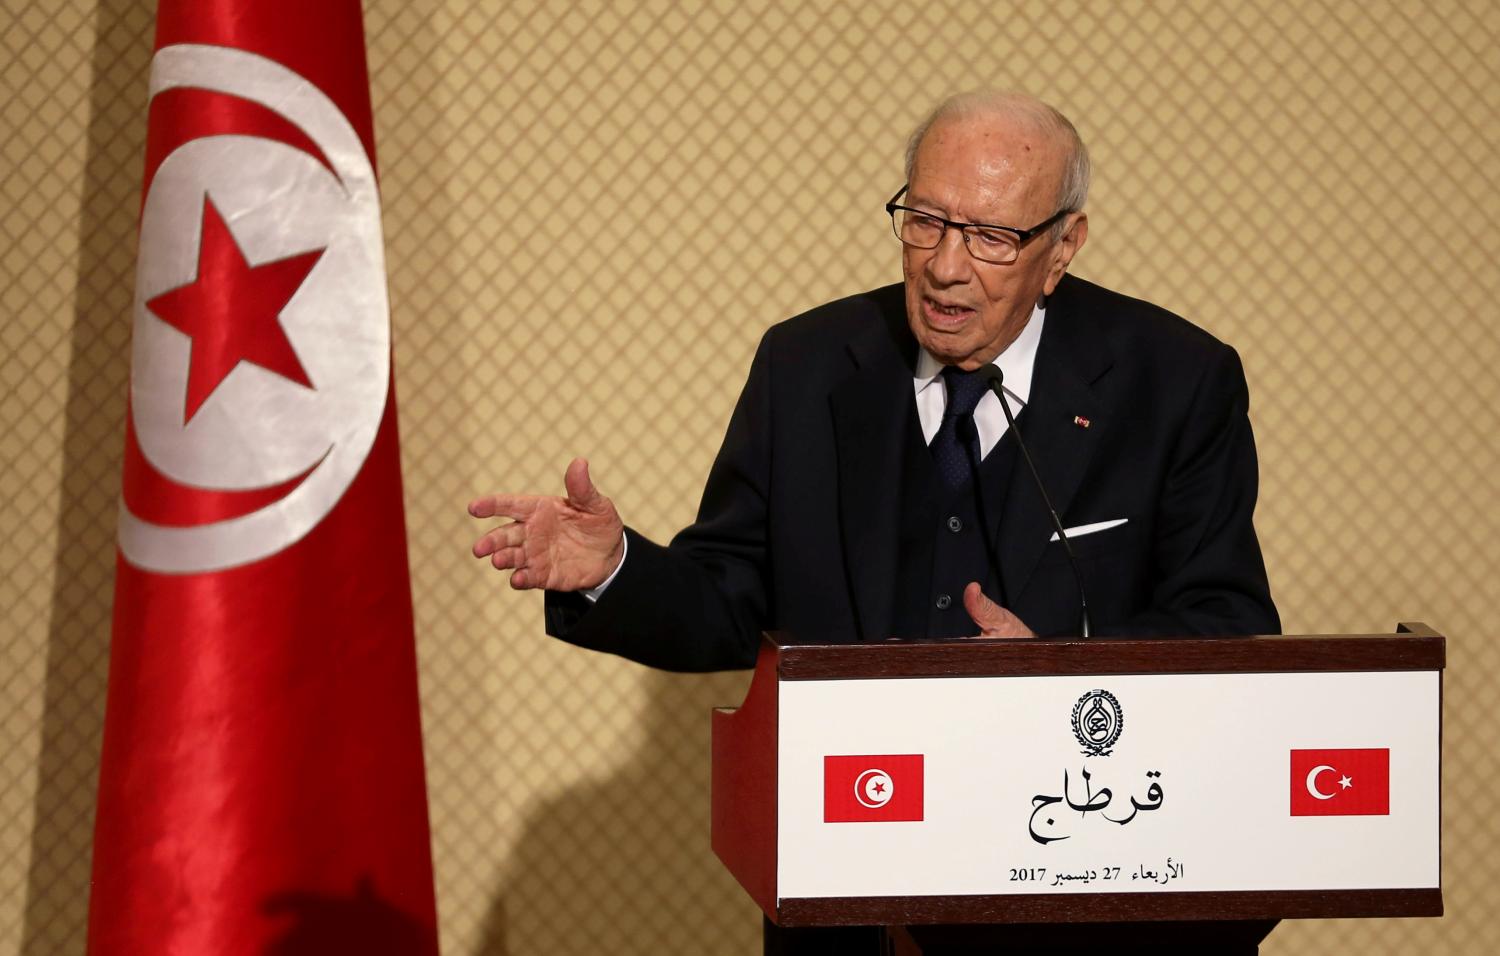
(592, 212)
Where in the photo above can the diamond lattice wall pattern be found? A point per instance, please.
(594, 209)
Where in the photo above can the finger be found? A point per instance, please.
(993, 620)
(505, 536)
(508, 558)
(581, 491)
(986, 613)
(523, 578)
(504, 506)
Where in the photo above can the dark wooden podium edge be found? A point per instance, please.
(1107, 907)
(1415, 647)
(743, 799)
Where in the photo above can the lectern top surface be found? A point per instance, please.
(804, 659)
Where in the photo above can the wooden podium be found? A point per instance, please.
(1171, 795)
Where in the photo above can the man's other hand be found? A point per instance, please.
(561, 544)
(993, 620)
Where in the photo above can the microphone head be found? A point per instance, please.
(992, 376)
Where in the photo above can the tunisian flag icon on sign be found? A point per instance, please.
(1341, 783)
(864, 788)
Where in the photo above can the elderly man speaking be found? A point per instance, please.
(871, 485)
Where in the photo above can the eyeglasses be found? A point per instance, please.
(998, 244)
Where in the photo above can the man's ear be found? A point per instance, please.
(1065, 249)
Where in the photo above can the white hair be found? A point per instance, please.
(1074, 189)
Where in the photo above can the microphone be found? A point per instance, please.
(995, 380)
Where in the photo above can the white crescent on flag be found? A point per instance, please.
(874, 788)
(243, 425)
(1312, 781)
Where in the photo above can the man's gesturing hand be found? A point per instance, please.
(562, 544)
(993, 620)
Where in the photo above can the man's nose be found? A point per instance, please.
(950, 261)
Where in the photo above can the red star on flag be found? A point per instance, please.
(231, 310)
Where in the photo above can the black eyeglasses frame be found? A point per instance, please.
(1023, 236)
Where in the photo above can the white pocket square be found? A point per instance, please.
(1084, 529)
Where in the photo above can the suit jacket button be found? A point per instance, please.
(943, 602)
(954, 524)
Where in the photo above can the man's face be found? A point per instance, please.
(996, 171)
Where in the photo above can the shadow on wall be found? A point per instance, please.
(320, 923)
(56, 914)
(623, 865)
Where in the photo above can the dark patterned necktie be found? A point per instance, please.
(949, 453)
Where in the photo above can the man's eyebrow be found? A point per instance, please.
(917, 202)
(937, 209)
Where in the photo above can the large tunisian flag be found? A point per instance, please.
(261, 790)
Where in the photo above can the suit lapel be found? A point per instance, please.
(870, 409)
(1069, 361)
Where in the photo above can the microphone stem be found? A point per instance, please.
(1010, 420)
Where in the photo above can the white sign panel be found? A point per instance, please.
(995, 785)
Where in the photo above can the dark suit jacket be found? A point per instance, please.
(797, 528)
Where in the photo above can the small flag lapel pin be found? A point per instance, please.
(1080, 421)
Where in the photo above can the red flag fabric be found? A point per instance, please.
(861, 788)
(261, 785)
(1335, 783)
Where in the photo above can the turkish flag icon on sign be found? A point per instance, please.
(1341, 783)
(863, 788)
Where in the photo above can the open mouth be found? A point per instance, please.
(941, 315)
